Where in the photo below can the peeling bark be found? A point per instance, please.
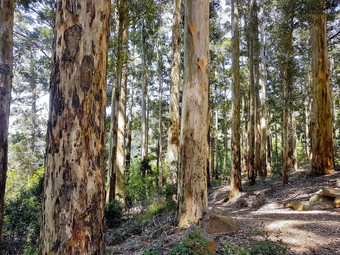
(73, 202)
(173, 136)
(192, 187)
(6, 65)
(322, 145)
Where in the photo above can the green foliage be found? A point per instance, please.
(265, 247)
(142, 181)
(193, 243)
(22, 215)
(113, 214)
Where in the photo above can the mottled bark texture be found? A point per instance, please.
(173, 135)
(235, 180)
(192, 187)
(116, 173)
(322, 147)
(73, 202)
(6, 65)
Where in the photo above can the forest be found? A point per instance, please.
(170, 127)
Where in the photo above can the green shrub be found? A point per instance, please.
(113, 214)
(193, 243)
(22, 215)
(265, 247)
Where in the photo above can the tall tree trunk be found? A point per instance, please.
(74, 196)
(264, 112)
(144, 135)
(322, 146)
(160, 119)
(287, 114)
(192, 188)
(173, 136)
(116, 178)
(307, 109)
(129, 131)
(235, 180)
(216, 139)
(252, 94)
(294, 145)
(244, 137)
(6, 65)
(212, 144)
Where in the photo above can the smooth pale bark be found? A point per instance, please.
(116, 171)
(160, 119)
(144, 132)
(74, 195)
(252, 95)
(265, 165)
(173, 134)
(322, 145)
(293, 145)
(6, 65)
(235, 180)
(287, 112)
(192, 187)
(256, 59)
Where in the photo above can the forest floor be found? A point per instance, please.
(260, 214)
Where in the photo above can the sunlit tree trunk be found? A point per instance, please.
(116, 177)
(192, 188)
(265, 165)
(235, 180)
(6, 65)
(322, 146)
(294, 145)
(74, 196)
(252, 95)
(173, 136)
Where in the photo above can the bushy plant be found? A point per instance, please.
(194, 243)
(113, 214)
(142, 181)
(22, 214)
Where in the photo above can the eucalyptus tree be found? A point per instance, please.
(74, 196)
(322, 141)
(192, 187)
(173, 136)
(116, 171)
(6, 65)
(236, 183)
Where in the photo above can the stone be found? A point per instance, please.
(330, 192)
(318, 202)
(337, 202)
(216, 222)
(298, 206)
(160, 231)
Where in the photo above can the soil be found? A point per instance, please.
(260, 214)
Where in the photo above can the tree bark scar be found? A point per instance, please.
(193, 33)
(91, 9)
(72, 37)
(73, 6)
(86, 72)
